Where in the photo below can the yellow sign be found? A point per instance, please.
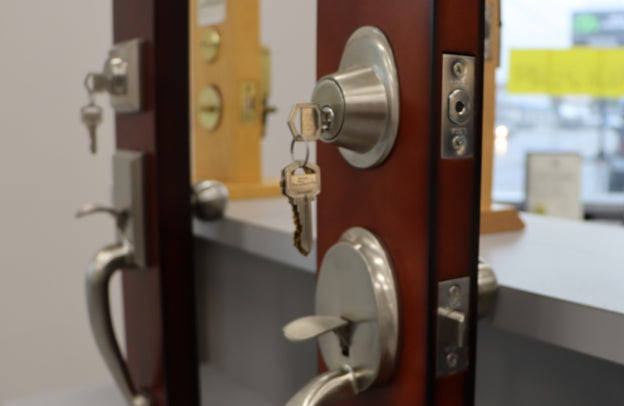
(591, 71)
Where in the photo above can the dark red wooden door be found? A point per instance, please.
(423, 207)
(158, 301)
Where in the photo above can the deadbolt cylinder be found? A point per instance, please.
(359, 102)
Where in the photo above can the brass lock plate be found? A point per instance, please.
(249, 102)
(209, 106)
(209, 45)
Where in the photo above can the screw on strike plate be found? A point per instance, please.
(459, 143)
(454, 296)
(459, 69)
(452, 359)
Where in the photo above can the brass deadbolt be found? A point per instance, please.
(209, 44)
(209, 107)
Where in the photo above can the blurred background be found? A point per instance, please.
(561, 118)
(47, 173)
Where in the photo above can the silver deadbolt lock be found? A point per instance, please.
(356, 108)
(121, 77)
(356, 320)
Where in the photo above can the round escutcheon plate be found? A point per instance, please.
(369, 47)
(356, 282)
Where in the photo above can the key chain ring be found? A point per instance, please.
(90, 89)
(307, 151)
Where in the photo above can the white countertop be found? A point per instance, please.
(560, 281)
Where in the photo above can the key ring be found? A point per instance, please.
(90, 89)
(307, 153)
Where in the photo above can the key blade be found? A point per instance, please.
(93, 140)
(304, 209)
(297, 222)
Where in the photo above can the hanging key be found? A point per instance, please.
(301, 183)
(91, 116)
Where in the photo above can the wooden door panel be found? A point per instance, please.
(158, 301)
(424, 208)
(456, 200)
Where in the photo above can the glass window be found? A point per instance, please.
(560, 88)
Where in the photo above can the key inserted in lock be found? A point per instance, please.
(121, 79)
(356, 108)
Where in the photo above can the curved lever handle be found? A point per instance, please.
(120, 216)
(309, 327)
(331, 386)
(99, 273)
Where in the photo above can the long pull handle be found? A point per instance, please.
(99, 274)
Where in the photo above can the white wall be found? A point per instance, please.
(46, 173)
(288, 27)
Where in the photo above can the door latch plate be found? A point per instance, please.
(453, 313)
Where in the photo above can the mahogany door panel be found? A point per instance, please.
(158, 301)
(424, 207)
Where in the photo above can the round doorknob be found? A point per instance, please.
(209, 199)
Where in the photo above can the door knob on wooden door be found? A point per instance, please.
(356, 322)
(357, 107)
(209, 198)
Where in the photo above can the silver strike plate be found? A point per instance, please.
(458, 110)
(452, 342)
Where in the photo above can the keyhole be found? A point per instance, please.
(345, 351)
(460, 107)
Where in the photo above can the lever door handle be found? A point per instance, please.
(128, 252)
(309, 327)
(101, 269)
